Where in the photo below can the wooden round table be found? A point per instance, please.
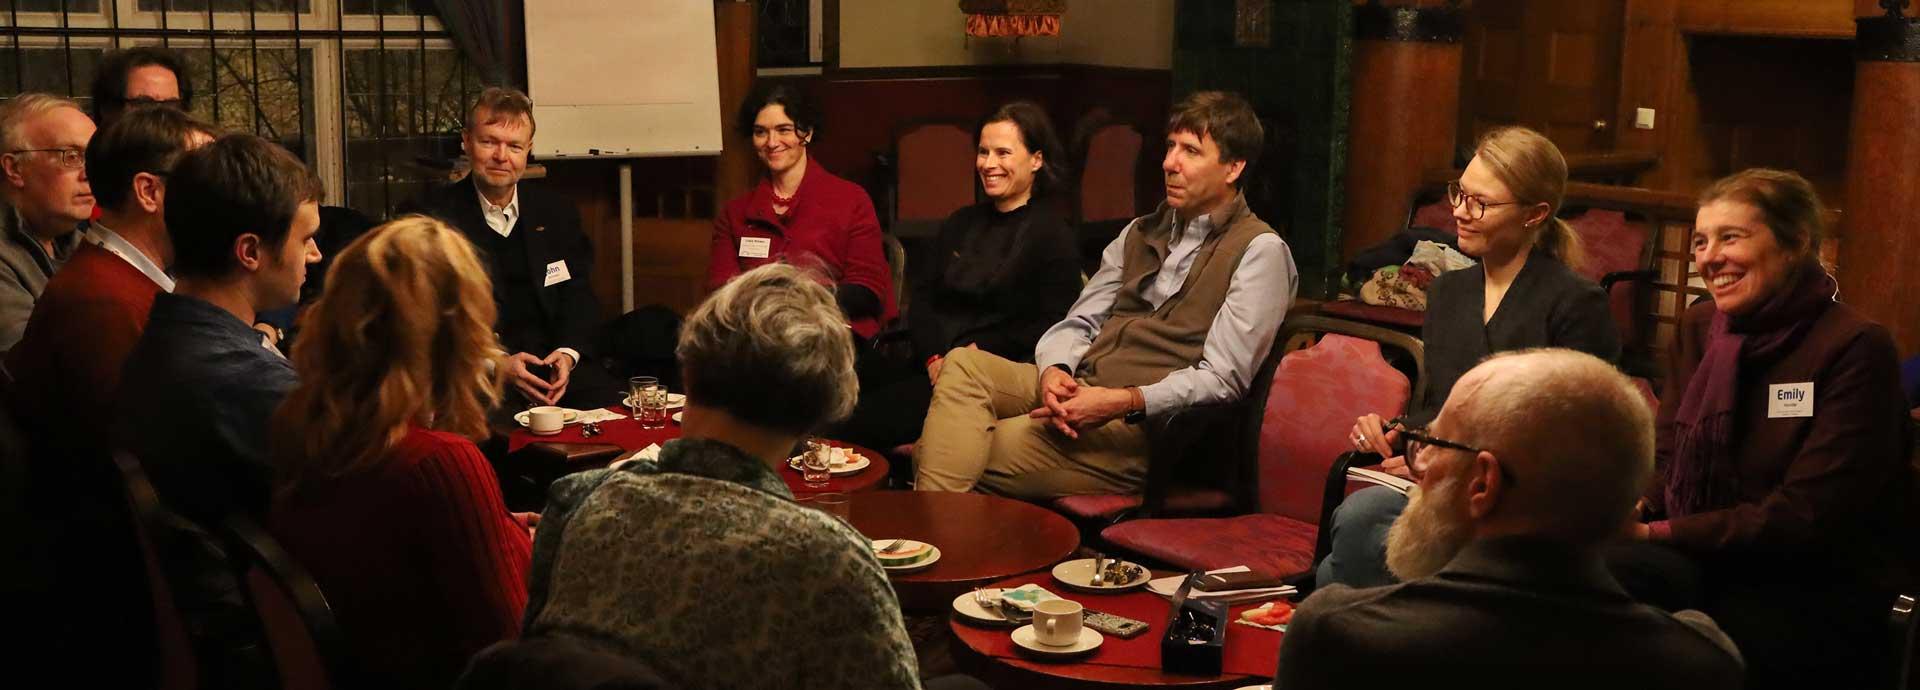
(629, 436)
(981, 539)
(985, 652)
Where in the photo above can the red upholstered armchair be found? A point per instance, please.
(933, 177)
(1295, 430)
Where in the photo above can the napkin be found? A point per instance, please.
(1026, 596)
(600, 415)
(1166, 586)
(651, 452)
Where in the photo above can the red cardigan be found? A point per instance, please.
(67, 366)
(422, 563)
(830, 225)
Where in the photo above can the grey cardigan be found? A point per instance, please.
(25, 268)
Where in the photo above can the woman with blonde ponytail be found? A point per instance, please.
(1523, 294)
(384, 497)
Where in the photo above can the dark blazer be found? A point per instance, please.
(552, 232)
(1834, 488)
(1514, 612)
(1548, 305)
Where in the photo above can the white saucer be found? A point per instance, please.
(567, 416)
(855, 463)
(1078, 574)
(970, 609)
(673, 400)
(913, 567)
(1025, 638)
(676, 417)
(1257, 687)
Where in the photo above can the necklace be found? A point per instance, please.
(783, 200)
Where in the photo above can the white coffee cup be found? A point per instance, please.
(546, 419)
(1056, 622)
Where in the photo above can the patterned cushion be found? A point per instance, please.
(1271, 544)
(1315, 396)
(1109, 506)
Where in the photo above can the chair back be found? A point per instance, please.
(1309, 402)
(1617, 244)
(1429, 209)
(177, 666)
(933, 174)
(1107, 174)
(306, 643)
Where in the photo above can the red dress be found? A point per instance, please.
(418, 557)
(830, 225)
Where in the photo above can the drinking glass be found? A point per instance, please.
(816, 465)
(834, 504)
(653, 407)
(636, 386)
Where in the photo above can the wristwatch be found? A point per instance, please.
(1138, 412)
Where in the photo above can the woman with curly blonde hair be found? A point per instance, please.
(384, 496)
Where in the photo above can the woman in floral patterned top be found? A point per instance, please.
(700, 564)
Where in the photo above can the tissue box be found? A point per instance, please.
(1179, 654)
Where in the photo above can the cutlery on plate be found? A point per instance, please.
(1099, 570)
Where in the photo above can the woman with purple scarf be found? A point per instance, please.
(1782, 504)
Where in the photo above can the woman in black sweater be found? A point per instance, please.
(997, 276)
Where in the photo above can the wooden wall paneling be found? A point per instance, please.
(1800, 18)
(1883, 184)
(1554, 67)
(1652, 72)
(734, 24)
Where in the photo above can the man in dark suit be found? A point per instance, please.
(536, 253)
(1532, 466)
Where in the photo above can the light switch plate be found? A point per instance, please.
(1643, 118)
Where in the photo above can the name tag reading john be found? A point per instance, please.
(557, 274)
(1790, 400)
(755, 247)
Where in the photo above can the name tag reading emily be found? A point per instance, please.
(755, 247)
(557, 274)
(1790, 400)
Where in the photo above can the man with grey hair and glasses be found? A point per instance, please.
(43, 179)
(1530, 469)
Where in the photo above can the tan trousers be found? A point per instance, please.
(978, 436)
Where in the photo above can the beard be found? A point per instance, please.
(1427, 535)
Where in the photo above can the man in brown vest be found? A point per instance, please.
(1183, 309)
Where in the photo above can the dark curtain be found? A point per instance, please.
(488, 33)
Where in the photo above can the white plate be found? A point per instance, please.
(673, 400)
(970, 609)
(915, 567)
(1025, 638)
(1257, 687)
(855, 463)
(1078, 575)
(567, 416)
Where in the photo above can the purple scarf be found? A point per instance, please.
(1701, 473)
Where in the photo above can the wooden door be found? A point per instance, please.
(1550, 65)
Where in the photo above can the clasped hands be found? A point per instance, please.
(1070, 407)
(537, 389)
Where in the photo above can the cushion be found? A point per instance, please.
(1315, 396)
(1271, 544)
(1180, 501)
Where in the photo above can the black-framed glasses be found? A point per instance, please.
(1417, 437)
(1476, 206)
(70, 158)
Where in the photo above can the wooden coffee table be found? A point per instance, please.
(983, 651)
(981, 539)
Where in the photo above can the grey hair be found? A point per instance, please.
(771, 348)
(21, 109)
(1575, 432)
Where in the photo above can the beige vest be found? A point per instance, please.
(1140, 345)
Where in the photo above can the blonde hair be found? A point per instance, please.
(772, 349)
(1788, 204)
(1533, 169)
(403, 335)
(21, 109)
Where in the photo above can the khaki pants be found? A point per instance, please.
(978, 435)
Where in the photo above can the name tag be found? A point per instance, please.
(755, 247)
(557, 274)
(1790, 400)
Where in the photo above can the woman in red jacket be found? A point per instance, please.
(385, 498)
(802, 214)
(1783, 505)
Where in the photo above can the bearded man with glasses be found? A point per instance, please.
(43, 160)
(1533, 465)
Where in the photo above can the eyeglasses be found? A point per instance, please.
(1417, 437)
(1476, 206)
(70, 158)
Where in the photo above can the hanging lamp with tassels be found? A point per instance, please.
(996, 18)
